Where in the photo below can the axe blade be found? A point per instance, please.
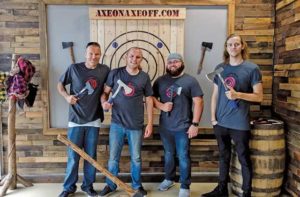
(207, 45)
(66, 44)
(211, 76)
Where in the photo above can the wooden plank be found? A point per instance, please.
(180, 37)
(294, 100)
(93, 31)
(256, 32)
(100, 36)
(283, 3)
(121, 28)
(294, 80)
(165, 35)
(287, 86)
(292, 43)
(295, 66)
(109, 35)
(173, 46)
(153, 50)
(295, 94)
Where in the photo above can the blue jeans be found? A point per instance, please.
(87, 138)
(177, 142)
(117, 135)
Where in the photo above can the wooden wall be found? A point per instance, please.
(287, 84)
(42, 158)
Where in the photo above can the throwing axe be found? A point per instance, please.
(205, 45)
(70, 46)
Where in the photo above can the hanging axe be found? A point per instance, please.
(84, 155)
(205, 45)
(70, 46)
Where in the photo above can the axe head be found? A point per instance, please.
(211, 76)
(126, 88)
(207, 45)
(89, 88)
(178, 90)
(67, 44)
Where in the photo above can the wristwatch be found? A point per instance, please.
(196, 124)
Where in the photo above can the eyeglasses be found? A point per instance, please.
(233, 44)
(173, 61)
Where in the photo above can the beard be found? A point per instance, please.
(175, 73)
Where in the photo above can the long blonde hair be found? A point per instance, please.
(244, 51)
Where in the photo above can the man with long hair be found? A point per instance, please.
(230, 111)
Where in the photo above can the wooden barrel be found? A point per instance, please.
(267, 149)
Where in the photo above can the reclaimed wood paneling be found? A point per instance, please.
(286, 84)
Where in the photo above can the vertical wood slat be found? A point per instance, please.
(121, 27)
(101, 36)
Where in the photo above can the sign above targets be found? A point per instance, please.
(137, 13)
(156, 31)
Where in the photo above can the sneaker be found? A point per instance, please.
(91, 192)
(106, 190)
(165, 185)
(219, 191)
(184, 192)
(66, 194)
(142, 191)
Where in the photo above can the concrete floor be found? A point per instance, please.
(53, 189)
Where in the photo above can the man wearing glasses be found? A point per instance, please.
(179, 97)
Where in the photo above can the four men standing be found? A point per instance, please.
(180, 100)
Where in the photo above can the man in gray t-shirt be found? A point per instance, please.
(128, 116)
(179, 97)
(85, 115)
(230, 110)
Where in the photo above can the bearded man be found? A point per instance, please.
(180, 99)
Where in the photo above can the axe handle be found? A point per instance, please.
(201, 61)
(72, 55)
(85, 156)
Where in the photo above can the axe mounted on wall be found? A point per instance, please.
(205, 45)
(70, 46)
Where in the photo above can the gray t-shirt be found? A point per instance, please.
(181, 116)
(128, 109)
(88, 108)
(242, 78)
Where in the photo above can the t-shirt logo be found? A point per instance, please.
(230, 81)
(171, 91)
(131, 93)
(92, 82)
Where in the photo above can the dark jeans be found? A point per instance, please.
(86, 138)
(241, 140)
(177, 142)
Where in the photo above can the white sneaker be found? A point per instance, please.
(184, 193)
(165, 185)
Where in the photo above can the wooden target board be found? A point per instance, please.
(156, 31)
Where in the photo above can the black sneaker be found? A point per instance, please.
(66, 194)
(142, 191)
(91, 192)
(106, 190)
(219, 191)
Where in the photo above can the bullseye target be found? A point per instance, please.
(154, 49)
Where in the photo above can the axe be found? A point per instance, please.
(205, 45)
(85, 156)
(172, 90)
(70, 46)
(232, 103)
(121, 85)
(87, 88)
